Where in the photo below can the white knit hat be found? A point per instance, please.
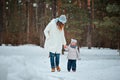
(73, 40)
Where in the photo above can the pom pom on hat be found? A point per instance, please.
(73, 40)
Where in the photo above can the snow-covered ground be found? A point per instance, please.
(30, 62)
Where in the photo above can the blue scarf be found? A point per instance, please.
(73, 46)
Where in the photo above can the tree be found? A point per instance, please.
(54, 4)
(1, 20)
(94, 21)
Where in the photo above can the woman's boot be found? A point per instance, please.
(53, 70)
(58, 69)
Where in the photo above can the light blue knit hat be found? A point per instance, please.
(62, 19)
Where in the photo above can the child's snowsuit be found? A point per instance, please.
(73, 55)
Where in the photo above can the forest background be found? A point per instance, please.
(94, 23)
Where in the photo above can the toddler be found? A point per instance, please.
(73, 55)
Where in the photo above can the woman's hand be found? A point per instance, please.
(65, 46)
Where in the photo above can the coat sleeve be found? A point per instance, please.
(63, 38)
(78, 54)
(47, 30)
(67, 48)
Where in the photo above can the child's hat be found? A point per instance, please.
(73, 40)
(62, 19)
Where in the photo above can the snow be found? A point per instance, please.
(31, 62)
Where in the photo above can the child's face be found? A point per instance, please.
(73, 43)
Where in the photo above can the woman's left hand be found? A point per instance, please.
(65, 46)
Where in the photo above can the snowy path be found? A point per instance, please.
(31, 62)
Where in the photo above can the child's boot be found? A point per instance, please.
(74, 70)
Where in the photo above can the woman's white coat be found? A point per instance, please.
(54, 38)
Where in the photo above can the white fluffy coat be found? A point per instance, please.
(54, 37)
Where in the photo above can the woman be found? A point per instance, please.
(55, 39)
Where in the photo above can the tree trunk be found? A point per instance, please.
(1, 20)
(27, 15)
(89, 42)
(92, 14)
(36, 16)
(41, 21)
(59, 4)
(54, 4)
(79, 3)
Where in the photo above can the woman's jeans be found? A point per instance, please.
(54, 59)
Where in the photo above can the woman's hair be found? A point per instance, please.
(60, 25)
